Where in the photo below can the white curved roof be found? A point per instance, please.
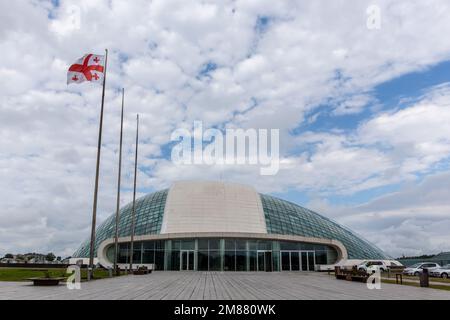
(208, 206)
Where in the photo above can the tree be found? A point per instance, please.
(50, 257)
(9, 256)
(20, 257)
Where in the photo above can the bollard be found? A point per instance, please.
(424, 278)
(110, 273)
(89, 273)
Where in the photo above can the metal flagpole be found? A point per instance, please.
(94, 207)
(133, 216)
(116, 239)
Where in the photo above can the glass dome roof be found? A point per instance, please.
(282, 217)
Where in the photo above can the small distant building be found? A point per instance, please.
(80, 261)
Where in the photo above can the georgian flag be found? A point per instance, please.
(89, 68)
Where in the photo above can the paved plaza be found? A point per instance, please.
(218, 285)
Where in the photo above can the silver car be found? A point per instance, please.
(442, 272)
(416, 269)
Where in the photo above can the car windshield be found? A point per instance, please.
(416, 265)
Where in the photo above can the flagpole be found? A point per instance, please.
(94, 206)
(133, 217)
(116, 239)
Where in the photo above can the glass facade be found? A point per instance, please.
(283, 217)
(149, 216)
(227, 255)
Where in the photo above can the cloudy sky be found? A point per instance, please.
(363, 113)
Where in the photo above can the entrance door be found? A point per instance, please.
(311, 260)
(304, 260)
(264, 260)
(308, 260)
(187, 260)
(290, 261)
(295, 261)
(285, 261)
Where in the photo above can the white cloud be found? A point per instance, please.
(413, 221)
(306, 54)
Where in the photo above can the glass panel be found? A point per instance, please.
(214, 244)
(230, 259)
(268, 261)
(311, 261)
(123, 253)
(276, 260)
(241, 258)
(214, 261)
(304, 261)
(295, 261)
(202, 257)
(285, 261)
(176, 245)
(148, 256)
(149, 245)
(306, 246)
(159, 260)
(191, 260)
(321, 257)
(175, 260)
(229, 245)
(252, 260)
(241, 245)
(159, 245)
(331, 256)
(202, 244)
(264, 245)
(288, 246)
(187, 245)
(137, 252)
(110, 253)
(252, 245)
(261, 264)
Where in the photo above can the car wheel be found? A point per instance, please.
(444, 275)
(416, 273)
(361, 269)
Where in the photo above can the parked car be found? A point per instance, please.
(442, 272)
(416, 269)
(372, 266)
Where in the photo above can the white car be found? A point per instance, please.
(442, 272)
(416, 269)
(373, 266)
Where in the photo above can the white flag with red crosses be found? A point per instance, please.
(89, 68)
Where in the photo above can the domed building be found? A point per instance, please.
(217, 226)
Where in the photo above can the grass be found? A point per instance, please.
(415, 284)
(22, 274)
(417, 278)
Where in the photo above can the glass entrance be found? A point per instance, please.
(187, 260)
(297, 260)
(264, 260)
